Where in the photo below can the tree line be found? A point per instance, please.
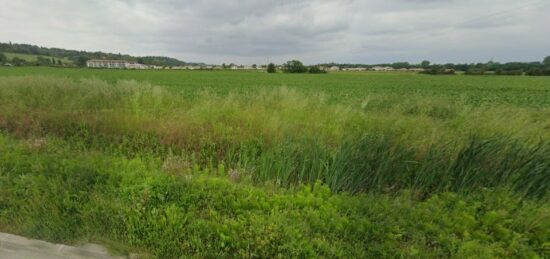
(296, 67)
(536, 68)
(79, 58)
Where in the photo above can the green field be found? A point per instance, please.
(249, 164)
(33, 58)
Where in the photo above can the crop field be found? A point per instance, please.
(32, 58)
(247, 164)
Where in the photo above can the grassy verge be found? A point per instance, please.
(273, 172)
(49, 191)
(384, 145)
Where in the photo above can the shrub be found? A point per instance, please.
(271, 68)
(294, 66)
(538, 72)
(316, 70)
(475, 71)
(18, 61)
(438, 70)
(509, 72)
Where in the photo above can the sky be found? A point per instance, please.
(257, 31)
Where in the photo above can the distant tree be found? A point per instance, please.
(425, 64)
(81, 61)
(399, 65)
(294, 66)
(502, 72)
(3, 58)
(541, 71)
(254, 66)
(546, 61)
(271, 68)
(42, 61)
(140, 60)
(439, 70)
(53, 61)
(224, 66)
(18, 61)
(59, 63)
(316, 70)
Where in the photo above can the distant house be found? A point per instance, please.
(378, 68)
(116, 64)
(355, 69)
(8, 65)
(136, 66)
(334, 68)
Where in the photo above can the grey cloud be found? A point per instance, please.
(250, 31)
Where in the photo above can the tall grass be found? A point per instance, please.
(50, 192)
(387, 143)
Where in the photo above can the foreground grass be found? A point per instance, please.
(50, 191)
(277, 172)
(281, 135)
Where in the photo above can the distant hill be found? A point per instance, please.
(79, 58)
(34, 58)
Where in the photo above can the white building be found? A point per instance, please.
(118, 64)
(136, 66)
(355, 69)
(378, 68)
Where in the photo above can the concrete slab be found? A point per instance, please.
(17, 247)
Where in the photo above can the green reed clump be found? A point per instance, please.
(48, 191)
(378, 164)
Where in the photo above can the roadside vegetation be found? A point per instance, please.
(389, 165)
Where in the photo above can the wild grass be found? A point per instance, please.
(275, 166)
(51, 192)
(384, 144)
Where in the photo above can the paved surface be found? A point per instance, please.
(16, 247)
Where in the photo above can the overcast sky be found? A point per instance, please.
(253, 31)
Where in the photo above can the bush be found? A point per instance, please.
(538, 72)
(294, 66)
(18, 61)
(438, 70)
(509, 72)
(316, 70)
(475, 71)
(271, 68)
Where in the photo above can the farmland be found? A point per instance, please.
(250, 164)
(33, 58)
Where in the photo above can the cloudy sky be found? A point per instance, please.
(253, 31)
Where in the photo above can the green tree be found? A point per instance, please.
(294, 66)
(425, 64)
(399, 65)
(18, 61)
(81, 61)
(3, 58)
(43, 61)
(254, 66)
(59, 63)
(271, 68)
(316, 70)
(546, 61)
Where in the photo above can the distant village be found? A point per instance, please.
(123, 64)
